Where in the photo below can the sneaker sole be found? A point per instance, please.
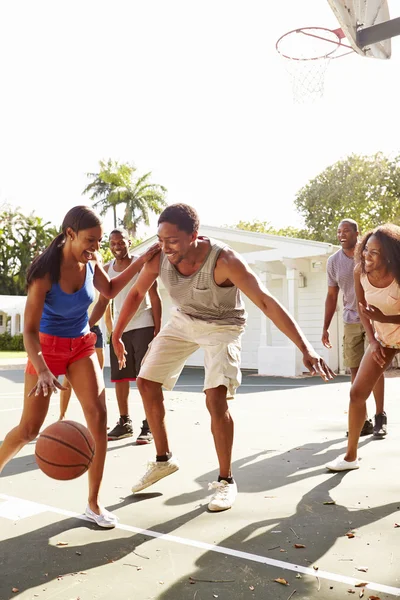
(218, 509)
(379, 435)
(136, 489)
(143, 442)
(120, 437)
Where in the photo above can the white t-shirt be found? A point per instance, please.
(144, 315)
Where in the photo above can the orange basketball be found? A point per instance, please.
(65, 450)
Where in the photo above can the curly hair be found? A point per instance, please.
(388, 236)
(49, 261)
(182, 215)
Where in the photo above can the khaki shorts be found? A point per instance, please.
(355, 342)
(182, 336)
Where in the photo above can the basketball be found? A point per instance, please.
(65, 450)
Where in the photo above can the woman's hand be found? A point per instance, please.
(46, 383)
(378, 353)
(373, 313)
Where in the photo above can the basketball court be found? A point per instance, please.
(286, 430)
(295, 531)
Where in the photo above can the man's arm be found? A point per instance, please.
(330, 307)
(146, 278)
(232, 266)
(156, 306)
(108, 318)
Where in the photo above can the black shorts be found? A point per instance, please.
(136, 343)
(99, 341)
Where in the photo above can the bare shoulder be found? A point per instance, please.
(153, 265)
(229, 257)
(39, 287)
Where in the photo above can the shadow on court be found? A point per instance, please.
(317, 526)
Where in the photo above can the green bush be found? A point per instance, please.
(8, 342)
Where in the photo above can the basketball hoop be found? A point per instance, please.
(307, 52)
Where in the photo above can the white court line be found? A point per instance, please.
(376, 587)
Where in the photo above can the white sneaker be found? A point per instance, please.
(339, 464)
(155, 472)
(105, 519)
(223, 497)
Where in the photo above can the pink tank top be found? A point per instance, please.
(388, 301)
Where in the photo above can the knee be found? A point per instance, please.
(356, 395)
(97, 419)
(29, 431)
(145, 386)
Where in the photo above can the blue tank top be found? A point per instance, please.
(66, 315)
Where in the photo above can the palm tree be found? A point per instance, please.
(115, 184)
(141, 198)
(106, 189)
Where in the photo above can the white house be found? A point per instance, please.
(12, 307)
(293, 270)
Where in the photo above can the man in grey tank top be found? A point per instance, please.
(340, 270)
(205, 279)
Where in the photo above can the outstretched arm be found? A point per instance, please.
(109, 288)
(239, 273)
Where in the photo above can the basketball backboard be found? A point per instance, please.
(367, 25)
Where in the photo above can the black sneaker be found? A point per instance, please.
(123, 429)
(380, 426)
(368, 428)
(145, 436)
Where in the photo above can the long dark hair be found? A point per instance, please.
(388, 236)
(49, 262)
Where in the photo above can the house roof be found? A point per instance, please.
(268, 247)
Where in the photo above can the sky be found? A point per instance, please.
(192, 91)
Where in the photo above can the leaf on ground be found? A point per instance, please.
(374, 598)
(282, 550)
(362, 593)
(298, 576)
(363, 569)
(15, 590)
(397, 524)
(62, 543)
(350, 535)
(299, 546)
(315, 568)
(362, 584)
(281, 581)
(251, 587)
(350, 591)
(329, 502)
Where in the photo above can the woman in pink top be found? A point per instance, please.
(377, 284)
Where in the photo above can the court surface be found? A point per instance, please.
(169, 547)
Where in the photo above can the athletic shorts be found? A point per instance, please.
(99, 335)
(136, 343)
(355, 342)
(182, 336)
(59, 352)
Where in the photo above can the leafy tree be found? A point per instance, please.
(115, 184)
(21, 239)
(364, 188)
(266, 227)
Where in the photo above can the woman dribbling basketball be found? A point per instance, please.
(58, 341)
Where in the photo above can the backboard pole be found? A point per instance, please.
(378, 33)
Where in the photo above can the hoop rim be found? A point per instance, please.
(337, 43)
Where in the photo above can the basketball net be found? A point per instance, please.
(307, 53)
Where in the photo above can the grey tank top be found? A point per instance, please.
(199, 296)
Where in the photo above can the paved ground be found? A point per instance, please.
(286, 430)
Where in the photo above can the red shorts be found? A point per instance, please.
(59, 352)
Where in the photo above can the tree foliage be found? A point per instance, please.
(266, 227)
(364, 188)
(117, 184)
(21, 239)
